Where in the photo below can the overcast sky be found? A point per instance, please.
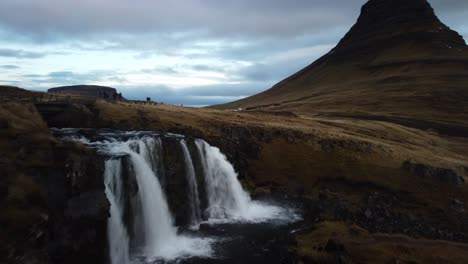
(192, 52)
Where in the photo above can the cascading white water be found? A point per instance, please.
(159, 235)
(193, 186)
(154, 234)
(226, 198)
(118, 237)
(147, 148)
(157, 223)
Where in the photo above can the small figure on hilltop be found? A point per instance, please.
(148, 99)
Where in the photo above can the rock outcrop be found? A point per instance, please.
(102, 92)
(78, 207)
(447, 176)
(54, 209)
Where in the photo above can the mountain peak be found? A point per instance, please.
(398, 59)
(382, 10)
(401, 21)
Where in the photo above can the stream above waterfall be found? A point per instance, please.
(176, 199)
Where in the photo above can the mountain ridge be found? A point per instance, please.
(398, 59)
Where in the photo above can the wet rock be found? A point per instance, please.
(176, 184)
(334, 245)
(440, 174)
(457, 206)
(368, 214)
(381, 212)
(78, 207)
(324, 194)
(90, 205)
(341, 259)
(88, 133)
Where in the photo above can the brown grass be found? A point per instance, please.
(356, 152)
(362, 247)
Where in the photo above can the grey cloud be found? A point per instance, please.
(9, 82)
(160, 23)
(71, 78)
(200, 95)
(161, 70)
(204, 67)
(183, 68)
(61, 74)
(228, 18)
(20, 54)
(242, 30)
(446, 6)
(31, 75)
(117, 79)
(9, 67)
(270, 73)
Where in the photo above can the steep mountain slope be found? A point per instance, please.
(398, 59)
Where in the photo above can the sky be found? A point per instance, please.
(191, 52)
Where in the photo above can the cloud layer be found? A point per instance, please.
(181, 51)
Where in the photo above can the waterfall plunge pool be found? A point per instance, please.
(178, 200)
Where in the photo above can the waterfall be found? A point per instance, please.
(155, 235)
(226, 198)
(193, 186)
(117, 234)
(157, 223)
(227, 201)
(158, 162)
(156, 230)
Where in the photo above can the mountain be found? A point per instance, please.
(398, 60)
(12, 90)
(87, 90)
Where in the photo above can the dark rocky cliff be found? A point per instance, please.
(52, 194)
(88, 90)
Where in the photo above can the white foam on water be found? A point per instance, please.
(183, 247)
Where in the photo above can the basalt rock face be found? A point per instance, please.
(78, 207)
(398, 59)
(87, 90)
(54, 209)
(438, 174)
